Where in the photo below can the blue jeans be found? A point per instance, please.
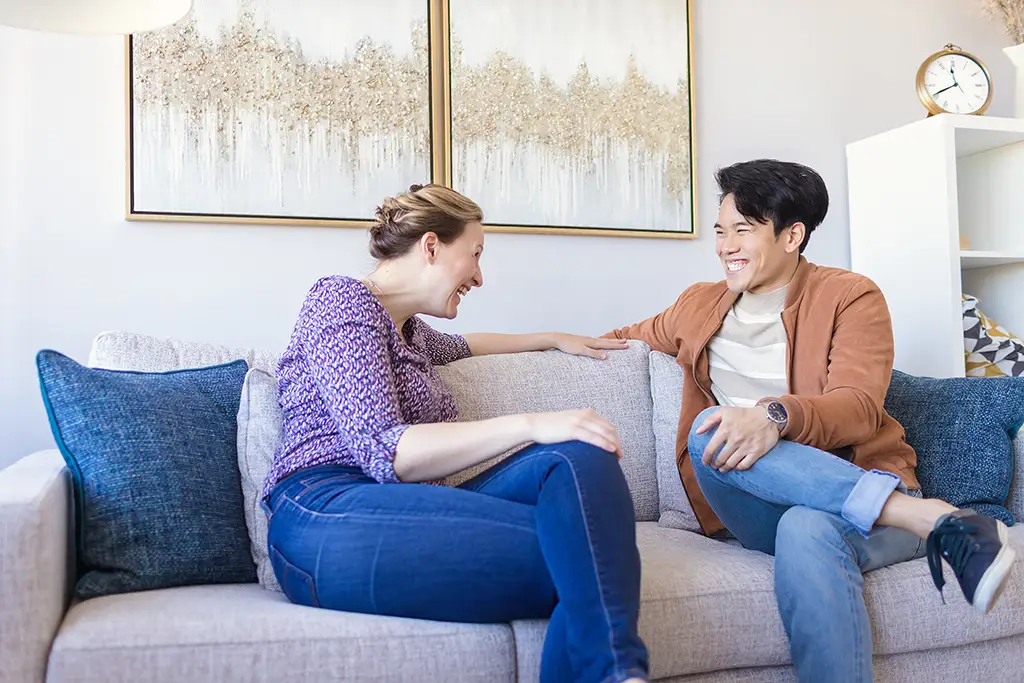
(547, 533)
(816, 513)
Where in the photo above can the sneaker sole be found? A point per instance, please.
(992, 582)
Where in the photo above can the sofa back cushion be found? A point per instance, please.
(667, 394)
(131, 351)
(617, 388)
(259, 434)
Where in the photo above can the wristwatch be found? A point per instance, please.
(776, 412)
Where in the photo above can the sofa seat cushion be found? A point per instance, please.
(708, 605)
(242, 632)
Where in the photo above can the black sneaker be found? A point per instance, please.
(976, 548)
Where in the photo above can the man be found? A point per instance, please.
(783, 439)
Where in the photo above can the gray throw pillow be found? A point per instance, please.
(667, 392)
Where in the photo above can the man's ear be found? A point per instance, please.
(429, 244)
(795, 236)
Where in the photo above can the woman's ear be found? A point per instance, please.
(429, 246)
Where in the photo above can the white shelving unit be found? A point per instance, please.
(913, 192)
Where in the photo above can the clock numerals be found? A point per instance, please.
(955, 82)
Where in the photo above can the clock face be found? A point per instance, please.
(957, 84)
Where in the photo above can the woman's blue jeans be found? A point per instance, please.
(547, 533)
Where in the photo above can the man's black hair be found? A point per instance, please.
(781, 192)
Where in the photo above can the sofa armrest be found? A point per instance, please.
(35, 539)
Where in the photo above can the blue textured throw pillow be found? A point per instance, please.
(962, 430)
(157, 492)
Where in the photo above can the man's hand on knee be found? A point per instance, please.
(744, 436)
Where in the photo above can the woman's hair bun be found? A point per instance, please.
(403, 219)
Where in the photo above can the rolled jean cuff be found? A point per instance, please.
(865, 502)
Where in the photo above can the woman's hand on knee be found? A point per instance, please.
(575, 425)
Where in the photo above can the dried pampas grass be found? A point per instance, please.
(1011, 13)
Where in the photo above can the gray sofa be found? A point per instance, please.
(708, 613)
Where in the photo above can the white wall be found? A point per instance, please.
(796, 79)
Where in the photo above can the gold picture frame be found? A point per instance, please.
(442, 146)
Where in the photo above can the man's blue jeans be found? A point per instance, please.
(548, 532)
(816, 513)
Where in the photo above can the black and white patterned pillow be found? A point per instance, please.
(989, 350)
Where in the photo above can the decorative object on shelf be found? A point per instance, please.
(989, 350)
(95, 17)
(580, 128)
(965, 243)
(279, 111)
(1016, 55)
(953, 81)
(1011, 14)
(269, 112)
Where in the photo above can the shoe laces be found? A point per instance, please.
(950, 539)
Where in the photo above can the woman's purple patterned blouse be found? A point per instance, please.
(349, 386)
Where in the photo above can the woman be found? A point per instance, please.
(356, 523)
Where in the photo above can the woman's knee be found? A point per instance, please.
(580, 451)
(581, 457)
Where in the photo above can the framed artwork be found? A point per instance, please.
(279, 111)
(568, 117)
(573, 115)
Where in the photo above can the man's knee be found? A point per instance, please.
(805, 531)
(696, 443)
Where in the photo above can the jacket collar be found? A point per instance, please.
(796, 291)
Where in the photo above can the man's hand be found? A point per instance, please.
(744, 435)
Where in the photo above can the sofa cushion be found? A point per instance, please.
(709, 604)
(992, 661)
(206, 634)
(963, 431)
(259, 434)
(154, 471)
(667, 394)
(618, 388)
(132, 351)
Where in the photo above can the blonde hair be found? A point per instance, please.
(403, 219)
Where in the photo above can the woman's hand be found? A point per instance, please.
(591, 347)
(484, 344)
(575, 425)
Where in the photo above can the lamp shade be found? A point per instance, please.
(97, 17)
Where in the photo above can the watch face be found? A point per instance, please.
(776, 412)
(957, 84)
